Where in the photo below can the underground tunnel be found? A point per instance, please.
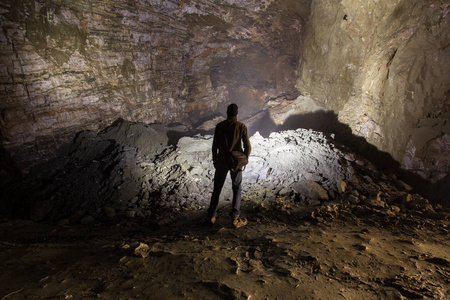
(108, 113)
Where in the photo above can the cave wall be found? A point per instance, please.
(382, 67)
(72, 65)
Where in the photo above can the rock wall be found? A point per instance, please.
(382, 66)
(71, 65)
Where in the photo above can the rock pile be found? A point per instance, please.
(130, 170)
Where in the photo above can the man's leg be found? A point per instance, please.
(236, 180)
(219, 180)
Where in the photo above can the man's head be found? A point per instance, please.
(232, 110)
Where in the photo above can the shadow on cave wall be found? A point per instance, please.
(322, 121)
(328, 123)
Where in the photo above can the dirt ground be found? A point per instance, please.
(280, 254)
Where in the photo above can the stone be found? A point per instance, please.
(130, 213)
(375, 203)
(355, 193)
(370, 189)
(342, 186)
(353, 199)
(437, 215)
(314, 202)
(403, 186)
(395, 209)
(285, 192)
(420, 204)
(143, 250)
(332, 194)
(104, 71)
(311, 190)
(350, 157)
(360, 247)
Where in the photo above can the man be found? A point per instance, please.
(229, 135)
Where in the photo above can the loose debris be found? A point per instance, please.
(125, 219)
(130, 170)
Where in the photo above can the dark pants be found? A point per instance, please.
(219, 180)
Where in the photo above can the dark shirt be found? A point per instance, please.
(230, 135)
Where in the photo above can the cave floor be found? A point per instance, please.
(278, 255)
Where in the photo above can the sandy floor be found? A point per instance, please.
(281, 254)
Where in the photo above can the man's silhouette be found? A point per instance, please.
(229, 135)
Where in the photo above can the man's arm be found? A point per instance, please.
(246, 142)
(215, 148)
